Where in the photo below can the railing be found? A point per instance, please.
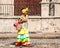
(6, 9)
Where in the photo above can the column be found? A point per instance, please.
(45, 8)
(57, 8)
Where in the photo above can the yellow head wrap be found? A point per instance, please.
(24, 10)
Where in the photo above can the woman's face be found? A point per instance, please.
(26, 12)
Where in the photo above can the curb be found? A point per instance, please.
(34, 36)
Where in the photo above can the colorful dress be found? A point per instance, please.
(23, 35)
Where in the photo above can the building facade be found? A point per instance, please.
(50, 7)
(44, 15)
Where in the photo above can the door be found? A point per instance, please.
(33, 5)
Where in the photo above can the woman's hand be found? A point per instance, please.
(19, 27)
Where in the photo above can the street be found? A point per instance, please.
(38, 43)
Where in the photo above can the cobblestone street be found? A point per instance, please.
(38, 43)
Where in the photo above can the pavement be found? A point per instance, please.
(39, 40)
(38, 43)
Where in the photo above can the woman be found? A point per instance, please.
(23, 35)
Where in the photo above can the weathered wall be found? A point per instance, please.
(45, 24)
(35, 24)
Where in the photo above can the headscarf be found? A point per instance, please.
(24, 10)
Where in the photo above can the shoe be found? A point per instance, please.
(29, 45)
(18, 44)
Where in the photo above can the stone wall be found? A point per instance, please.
(35, 24)
(45, 24)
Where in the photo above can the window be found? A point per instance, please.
(51, 8)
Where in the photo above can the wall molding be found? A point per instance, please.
(31, 17)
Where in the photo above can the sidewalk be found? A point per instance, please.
(32, 35)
